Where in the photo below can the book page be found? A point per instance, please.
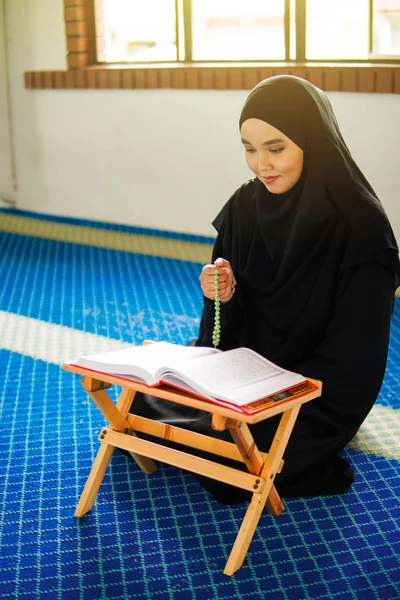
(239, 376)
(143, 363)
(233, 369)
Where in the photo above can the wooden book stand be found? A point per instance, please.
(262, 467)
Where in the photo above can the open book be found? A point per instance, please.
(240, 379)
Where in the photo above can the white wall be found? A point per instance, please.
(167, 159)
(7, 180)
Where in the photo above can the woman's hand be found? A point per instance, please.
(226, 280)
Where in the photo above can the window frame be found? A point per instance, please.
(84, 43)
(185, 7)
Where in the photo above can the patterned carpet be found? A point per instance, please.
(70, 287)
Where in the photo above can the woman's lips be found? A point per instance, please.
(270, 180)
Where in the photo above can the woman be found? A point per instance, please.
(308, 265)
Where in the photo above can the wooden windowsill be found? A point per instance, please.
(344, 77)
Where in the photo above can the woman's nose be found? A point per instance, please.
(264, 161)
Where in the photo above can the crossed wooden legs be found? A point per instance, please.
(262, 467)
(116, 419)
(269, 495)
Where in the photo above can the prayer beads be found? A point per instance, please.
(217, 315)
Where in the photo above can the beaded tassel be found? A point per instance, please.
(217, 321)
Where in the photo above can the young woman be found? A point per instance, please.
(308, 265)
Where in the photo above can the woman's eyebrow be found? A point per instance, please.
(267, 143)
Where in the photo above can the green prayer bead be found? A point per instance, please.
(216, 336)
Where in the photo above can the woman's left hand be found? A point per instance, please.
(226, 280)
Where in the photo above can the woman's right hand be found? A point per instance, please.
(226, 280)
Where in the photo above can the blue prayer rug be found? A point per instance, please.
(70, 287)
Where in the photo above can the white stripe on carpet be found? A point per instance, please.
(380, 433)
(50, 342)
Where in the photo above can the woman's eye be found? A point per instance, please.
(251, 150)
(276, 150)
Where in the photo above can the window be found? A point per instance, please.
(357, 30)
(137, 31)
(236, 30)
(140, 31)
(386, 28)
(338, 45)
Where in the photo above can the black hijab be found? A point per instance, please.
(304, 114)
(289, 250)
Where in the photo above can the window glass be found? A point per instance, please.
(386, 27)
(238, 30)
(337, 30)
(138, 31)
(146, 31)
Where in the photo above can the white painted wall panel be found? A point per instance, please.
(7, 184)
(154, 158)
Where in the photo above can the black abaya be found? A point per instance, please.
(350, 361)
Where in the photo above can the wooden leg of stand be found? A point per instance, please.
(116, 418)
(274, 503)
(244, 440)
(115, 415)
(258, 501)
(147, 465)
(94, 480)
(246, 532)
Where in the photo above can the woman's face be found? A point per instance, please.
(273, 157)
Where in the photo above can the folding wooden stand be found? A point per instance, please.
(262, 468)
